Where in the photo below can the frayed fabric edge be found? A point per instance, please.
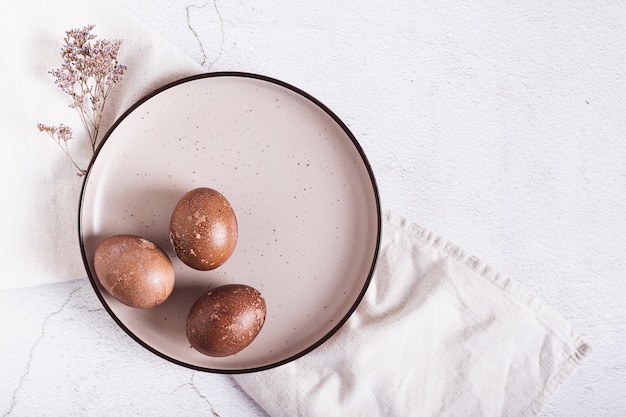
(580, 350)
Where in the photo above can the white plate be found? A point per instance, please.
(304, 194)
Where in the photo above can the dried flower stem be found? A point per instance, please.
(88, 74)
(61, 135)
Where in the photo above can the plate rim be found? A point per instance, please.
(317, 103)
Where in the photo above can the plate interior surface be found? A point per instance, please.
(303, 192)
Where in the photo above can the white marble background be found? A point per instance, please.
(500, 126)
(62, 355)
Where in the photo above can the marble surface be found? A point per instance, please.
(62, 355)
(500, 127)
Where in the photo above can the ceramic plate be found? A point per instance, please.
(302, 189)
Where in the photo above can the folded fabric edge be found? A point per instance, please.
(548, 315)
(579, 349)
(577, 357)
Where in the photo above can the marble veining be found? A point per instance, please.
(199, 16)
(61, 343)
(34, 346)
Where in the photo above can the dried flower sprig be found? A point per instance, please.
(61, 135)
(88, 74)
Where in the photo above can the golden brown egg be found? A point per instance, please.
(225, 320)
(203, 229)
(134, 270)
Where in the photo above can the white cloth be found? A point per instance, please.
(439, 333)
(40, 192)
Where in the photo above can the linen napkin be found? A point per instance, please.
(438, 333)
(39, 188)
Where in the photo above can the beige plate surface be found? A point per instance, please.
(304, 194)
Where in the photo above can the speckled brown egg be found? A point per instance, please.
(203, 229)
(225, 320)
(134, 270)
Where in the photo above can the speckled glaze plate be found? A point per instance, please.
(302, 189)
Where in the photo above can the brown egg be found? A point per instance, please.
(225, 320)
(134, 270)
(203, 229)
